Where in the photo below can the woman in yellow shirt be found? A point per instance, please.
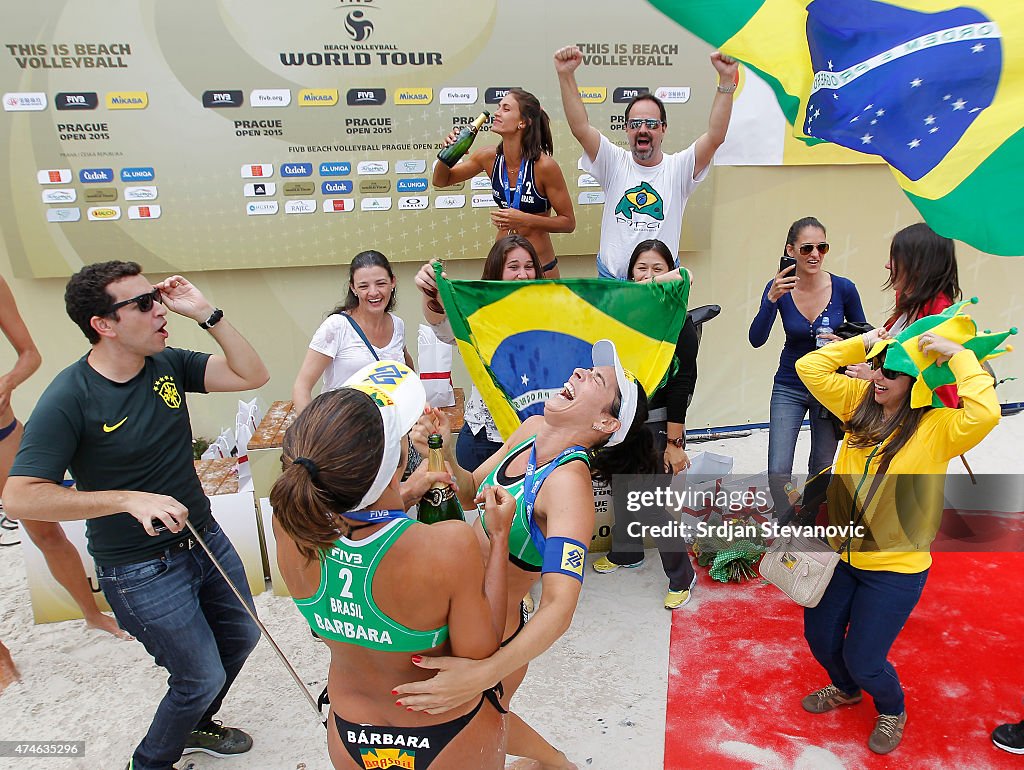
(879, 580)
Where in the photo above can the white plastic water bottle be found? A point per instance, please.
(823, 329)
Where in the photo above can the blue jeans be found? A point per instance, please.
(854, 626)
(472, 451)
(788, 407)
(180, 608)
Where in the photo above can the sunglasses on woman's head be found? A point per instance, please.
(807, 248)
(144, 302)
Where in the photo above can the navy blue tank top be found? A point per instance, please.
(530, 200)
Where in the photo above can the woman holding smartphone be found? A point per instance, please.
(804, 295)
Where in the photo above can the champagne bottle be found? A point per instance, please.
(450, 155)
(440, 502)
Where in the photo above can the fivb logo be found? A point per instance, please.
(467, 95)
(216, 99)
(82, 100)
(260, 170)
(365, 97)
(626, 94)
(495, 94)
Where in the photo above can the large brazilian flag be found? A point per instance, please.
(934, 87)
(521, 340)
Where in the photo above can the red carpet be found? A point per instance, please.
(738, 666)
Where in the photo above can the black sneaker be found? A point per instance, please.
(217, 740)
(1010, 737)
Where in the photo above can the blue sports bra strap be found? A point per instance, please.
(374, 517)
(532, 483)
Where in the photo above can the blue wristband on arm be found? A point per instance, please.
(564, 556)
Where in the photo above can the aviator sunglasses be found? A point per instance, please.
(635, 123)
(144, 302)
(806, 248)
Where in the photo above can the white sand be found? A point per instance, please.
(599, 693)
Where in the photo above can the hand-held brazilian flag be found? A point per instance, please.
(934, 87)
(521, 340)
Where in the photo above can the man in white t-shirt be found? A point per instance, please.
(645, 189)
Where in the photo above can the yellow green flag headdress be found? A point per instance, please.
(904, 356)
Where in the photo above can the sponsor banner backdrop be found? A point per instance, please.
(185, 94)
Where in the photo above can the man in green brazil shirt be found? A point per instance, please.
(118, 420)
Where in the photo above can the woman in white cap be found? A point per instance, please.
(594, 427)
(377, 586)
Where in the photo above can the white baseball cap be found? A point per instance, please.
(605, 355)
(398, 393)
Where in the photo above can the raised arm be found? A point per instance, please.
(818, 370)
(721, 112)
(471, 164)
(958, 430)
(240, 368)
(567, 59)
(761, 326)
(17, 334)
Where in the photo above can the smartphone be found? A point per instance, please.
(785, 262)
